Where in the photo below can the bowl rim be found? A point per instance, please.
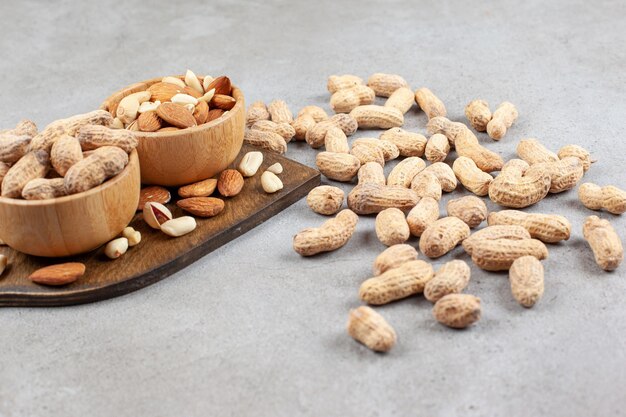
(237, 94)
(133, 158)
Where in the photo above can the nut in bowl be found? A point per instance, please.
(189, 128)
(73, 187)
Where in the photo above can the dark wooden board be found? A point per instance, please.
(158, 255)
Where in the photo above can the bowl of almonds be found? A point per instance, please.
(68, 188)
(189, 127)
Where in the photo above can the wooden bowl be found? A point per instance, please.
(72, 224)
(188, 155)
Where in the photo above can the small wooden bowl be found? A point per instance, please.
(188, 155)
(72, 224)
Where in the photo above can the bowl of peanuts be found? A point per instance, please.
(189, 127)
(69, 188)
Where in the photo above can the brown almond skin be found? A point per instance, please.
(222, 101)
(176, 115)
(221, 84)
(202, 206)
(214, 114)
(230, 183)
(61, 274)
(154, 194)
(198, 189)
(201, 113)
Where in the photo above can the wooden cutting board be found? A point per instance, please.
(158, 255)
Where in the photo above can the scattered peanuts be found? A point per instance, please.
(332, 235)
(442, 236)
(526, 278)
(406, 280)
(370, 328)
(472, 210)
(325, 199)
(457, 310)
(451, 278)
(391, 227)
(609, 198)
(430, 103)
(437, 148)
(604, 242)
(393, 257)
(478, 114)
(502, 119)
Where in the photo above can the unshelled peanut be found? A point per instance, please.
(402, 99)
(33, 165)
(44, 188)
(325, 199)
(405, 170)
(472, 178)
(478, 114)
(338, 166)
(347, 99)
(518, 186)
(609, 198)
(425, 213)
(391, 227)
(451, 278)
(368, 327)
(105, 162)
(374, 198)
(442, 236)
(437, 148)
(430, 103)
(549, 228)
(472, 210)
(384, 85)
(332, 235)
(526, 278)
(394, 284)
(457, 310)
(408, 143)
(578, 152)
(393, 257)
(502, 119)
(371, 172)
(606, 245)
(533, 152)
(372, 116)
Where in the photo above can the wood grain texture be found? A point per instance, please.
(157, 256)
(72, 224)
(188, 155)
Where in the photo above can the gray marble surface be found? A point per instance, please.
(255, 330)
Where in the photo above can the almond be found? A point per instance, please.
(199, 189)
(154, 194)
(60, 274)
(223, 102)
(149, 121)
(214, 114)
(201, 113)
(230, 183)
(202, 206)
(163, 91)
(176, 115)
(221, 84)
(192, 92)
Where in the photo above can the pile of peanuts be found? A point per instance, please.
(406, 201)
(68, 157)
